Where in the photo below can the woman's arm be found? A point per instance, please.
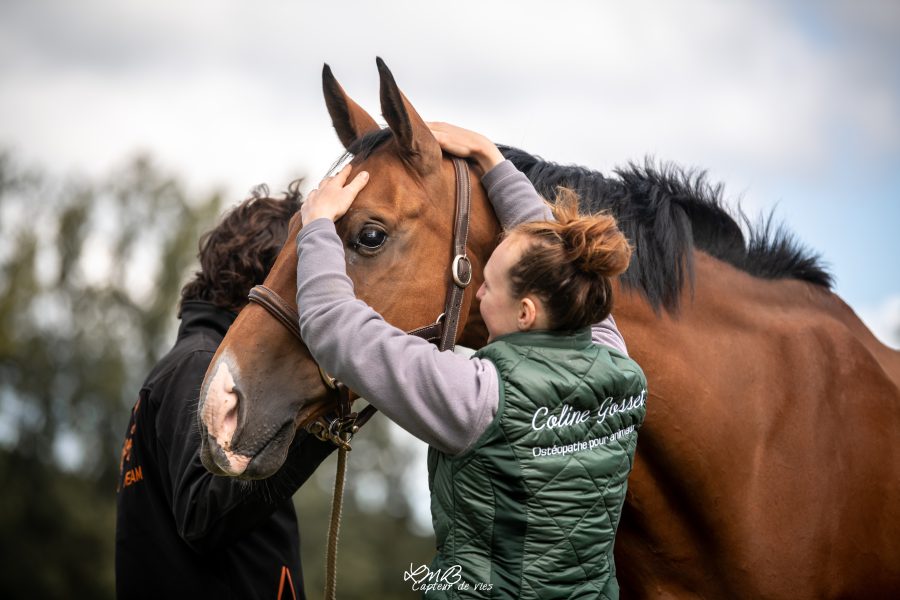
(513, 196)
(607, 333)
(442, 398)
(511, 193)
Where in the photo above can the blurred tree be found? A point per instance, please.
(375, 545)
(90, 275)
(89, 280)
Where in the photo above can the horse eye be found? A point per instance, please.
(371, 238)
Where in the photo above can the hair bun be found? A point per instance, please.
(596, 246)
(569, 263)
(593, 243)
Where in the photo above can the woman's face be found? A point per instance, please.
(499, 309)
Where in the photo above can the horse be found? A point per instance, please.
(767, 465)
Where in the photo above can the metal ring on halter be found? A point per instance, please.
(346, 425)
(330, 381)
(454, 270)
(340, 431)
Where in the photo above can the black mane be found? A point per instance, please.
(665, 212)
(364, 146)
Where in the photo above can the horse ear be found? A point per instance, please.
(409, 129)
(349, 119)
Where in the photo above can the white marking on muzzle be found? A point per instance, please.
(220, 414)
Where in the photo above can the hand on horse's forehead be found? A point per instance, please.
(332, 198)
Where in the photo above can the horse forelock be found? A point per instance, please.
(364, 147)
(369, 143)
(667, 212)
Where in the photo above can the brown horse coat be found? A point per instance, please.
(768, 465)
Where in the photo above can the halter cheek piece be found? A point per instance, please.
(339, 426)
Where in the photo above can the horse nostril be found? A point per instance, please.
(230, 420)
(229, 424)
(222, 407)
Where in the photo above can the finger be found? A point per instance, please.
(325, 181)
(448, 144)
(358, 183)
(441, 138)
(343, 174)
(444, 138)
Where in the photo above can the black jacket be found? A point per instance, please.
(182, 532)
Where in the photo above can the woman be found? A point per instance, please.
(532, 439)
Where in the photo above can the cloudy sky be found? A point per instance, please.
(795, 106)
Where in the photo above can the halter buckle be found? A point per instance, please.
(465, 279)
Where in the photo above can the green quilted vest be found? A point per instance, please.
(531, 510)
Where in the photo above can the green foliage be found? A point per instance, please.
(375, 544)
(88, 292)
(90, 275)
(55, 532)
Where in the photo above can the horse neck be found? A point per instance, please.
(835, 307)
(749, 386)
(725, 298)
(796, 299)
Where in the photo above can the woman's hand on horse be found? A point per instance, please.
(332, 198)
(464, 143)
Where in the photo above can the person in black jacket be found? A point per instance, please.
(182, 532)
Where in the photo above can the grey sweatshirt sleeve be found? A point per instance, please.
(442, 398)
(513, 196)
(606, 333)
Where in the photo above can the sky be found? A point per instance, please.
(794, 106)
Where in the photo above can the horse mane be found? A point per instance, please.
(666, 212)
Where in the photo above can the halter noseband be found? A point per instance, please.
(340, 425)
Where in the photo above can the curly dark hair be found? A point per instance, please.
(239, 252)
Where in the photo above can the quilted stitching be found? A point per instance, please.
(537, 377)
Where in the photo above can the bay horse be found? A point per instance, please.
(768, 464)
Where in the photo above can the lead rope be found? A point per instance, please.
(461, 272)
(346, 427)
(334, 527)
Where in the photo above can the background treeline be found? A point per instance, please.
(90, 273)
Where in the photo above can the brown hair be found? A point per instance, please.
(569, 263)
(239, 252)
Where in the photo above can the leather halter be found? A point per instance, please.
(340, 425)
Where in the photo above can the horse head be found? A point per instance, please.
(263, 384)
